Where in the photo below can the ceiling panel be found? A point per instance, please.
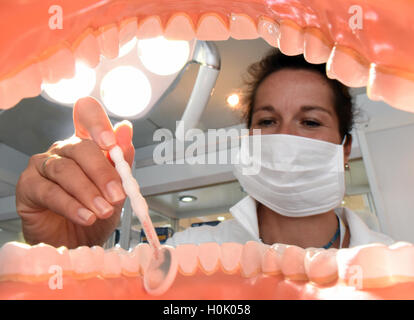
(34, 124)
(12, 225)
(6, 189)
(210, 199)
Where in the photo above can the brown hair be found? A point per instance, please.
(275, 61)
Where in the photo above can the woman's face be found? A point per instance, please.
(297, 102)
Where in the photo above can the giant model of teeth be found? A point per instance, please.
(365, 43)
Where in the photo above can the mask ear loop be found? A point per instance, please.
(341, 223)
(344, 139)
(342, 144)
(342, 230)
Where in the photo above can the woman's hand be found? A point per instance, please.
(71, 195)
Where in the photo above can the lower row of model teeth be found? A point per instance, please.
(377, 265)
(343, 64)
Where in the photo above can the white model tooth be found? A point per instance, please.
(309, 254)
(64, 259)
(230, 257)
(316, 47)
(392, 87)
(401, 262)
(112, 264)
(108, 41)
(402, 259)
(280, 250)
(271, 262)
(98, 253)
(24, 84)
(251, 259)
(212, 27)
(12, 257)
(321, 266)
(22, 262)
(150, 27)
(58, 66)
(208, 255)
(129, 262)
(348, 67)
(86, 49)
(268, 30)
(144, 252)
(127, 30)
(179, 26)
(242, 27)
(41, 257)
(83, 261)
(187, 256)
(293, 263)
(291, 38)
(366, 266)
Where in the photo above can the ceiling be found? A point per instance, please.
(35, 123)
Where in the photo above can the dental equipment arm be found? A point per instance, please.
(207, 55)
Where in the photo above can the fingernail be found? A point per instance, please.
(115, 191)
(102, 205)
(107, 138)
(85, 214)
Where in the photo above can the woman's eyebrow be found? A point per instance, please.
(311, 108)
(265, 108)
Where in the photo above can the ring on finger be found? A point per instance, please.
(44, 163)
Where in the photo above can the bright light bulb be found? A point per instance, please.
(233, 100)
(127, 47)
(162, 56)
(125, 91)
(68, 91)
(221, 218)
(187, 198)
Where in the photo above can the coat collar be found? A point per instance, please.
(245, 212)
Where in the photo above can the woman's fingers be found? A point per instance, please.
(87, 157)
(91, 122)
(123, 133)
(85, 183)
(49, 195)
(66, 173)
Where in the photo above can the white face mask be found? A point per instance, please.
(298, 176)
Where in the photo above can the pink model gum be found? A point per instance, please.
(211, 271)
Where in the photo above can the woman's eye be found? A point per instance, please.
(265, 122)
(311, 123)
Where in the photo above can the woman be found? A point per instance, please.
(288, 98)
(67, 198)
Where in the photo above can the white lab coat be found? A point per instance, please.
(244, 227)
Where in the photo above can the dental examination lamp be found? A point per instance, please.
(145, 72)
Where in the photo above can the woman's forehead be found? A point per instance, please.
(293, 89)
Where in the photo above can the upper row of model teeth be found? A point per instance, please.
(343, 64)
